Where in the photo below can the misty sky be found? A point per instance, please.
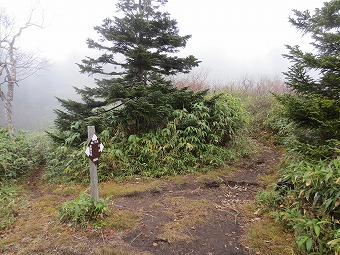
(232, 38)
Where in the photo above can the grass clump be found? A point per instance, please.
(109, 251)
(118, 189)
(121, 219)
(270, 199)
(269, 238)
(83, 211)
(9, 196)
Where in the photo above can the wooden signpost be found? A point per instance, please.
(93, 151)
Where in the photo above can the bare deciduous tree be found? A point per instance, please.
(15, 65)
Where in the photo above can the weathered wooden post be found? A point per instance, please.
(93, 151)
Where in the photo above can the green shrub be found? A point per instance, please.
(279, 126)
(65, 163)
(310, 143)
(258, 97)
(14, 152)
(20, 153)
(8, 204)
(313, 207)
(83, 211)
(317, 123)
(318, 185)
(206, 137)
(269, 200)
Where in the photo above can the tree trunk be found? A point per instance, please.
(11, 74)
(8, 103)
(8, 113)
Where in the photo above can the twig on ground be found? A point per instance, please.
(136, 237)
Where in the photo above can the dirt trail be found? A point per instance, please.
(223, 226)
(199, 215)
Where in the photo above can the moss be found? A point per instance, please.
(215, 174)
(106, 250)
(118, 189)
(46, 204)
(121, 219)
(66, 190)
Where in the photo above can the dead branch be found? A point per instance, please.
(15, 65)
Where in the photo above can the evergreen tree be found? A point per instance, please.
(138, 51)
(315, 77)
(144, 36)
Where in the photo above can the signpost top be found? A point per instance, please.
(94, 149)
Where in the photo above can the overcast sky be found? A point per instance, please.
(232, 38)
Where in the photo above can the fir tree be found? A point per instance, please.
(138, 51)
(145, 37)
(315, 77)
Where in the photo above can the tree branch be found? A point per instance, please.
(15, 65)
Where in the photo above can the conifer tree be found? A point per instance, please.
(145, 37)
(138, 51)
(315, 76)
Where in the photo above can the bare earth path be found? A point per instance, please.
(224, 224)
(195, 214)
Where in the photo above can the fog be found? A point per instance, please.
(233, 39)
(35, 98)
